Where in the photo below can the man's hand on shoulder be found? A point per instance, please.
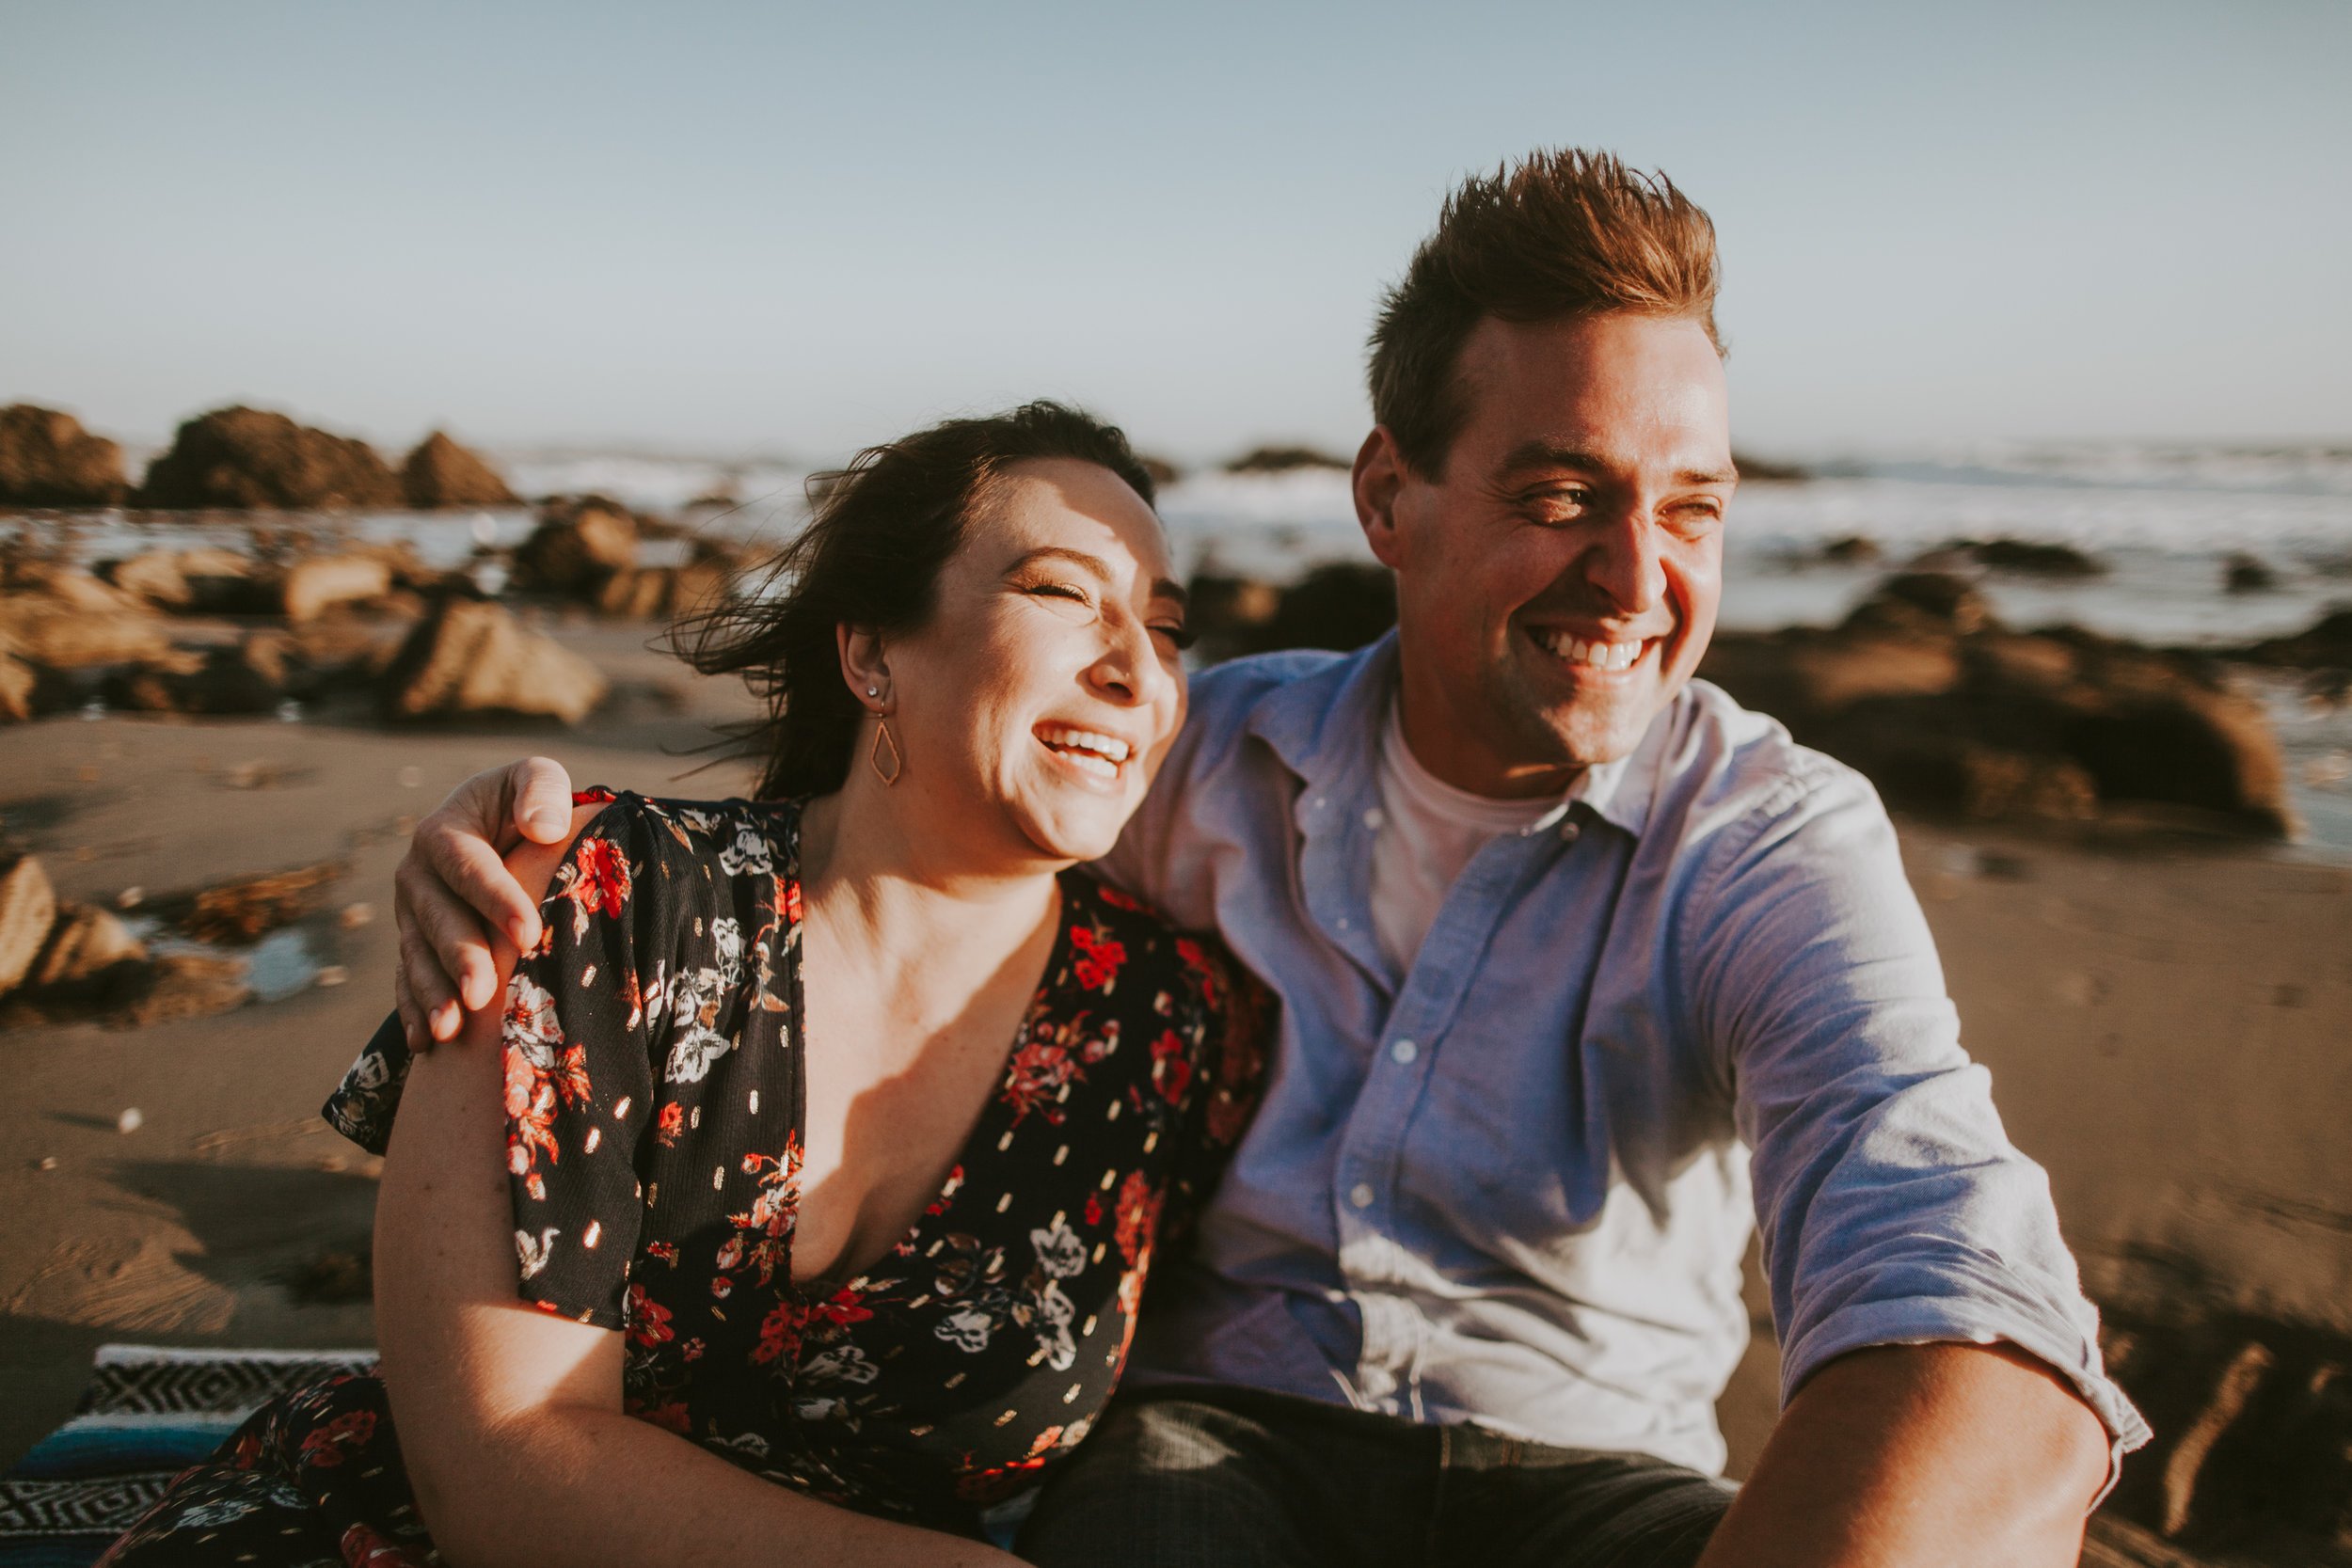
(453, 891)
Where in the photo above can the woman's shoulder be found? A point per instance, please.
(739, 837)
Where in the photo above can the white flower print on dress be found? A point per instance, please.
(726, 937)
(839, 1364)
(967, 1328)
(1060, 1252)
(751, 852)
(533, 1254)
(692, 1054)
(1053, 1312)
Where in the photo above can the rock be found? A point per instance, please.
(2324, 644)
(1341, 605)
(2247, 574)
(48, 459)
(471, 657)
(313, 585)
(439, 473)
(249, 459)
(201, 581)
(2028, 558)
(253, 676)
(1854, 549)
(181, 986)
(242, 910)
(1282, 460)
(577, 548)
(85, 955)
(19, 683)
(661, 593)
(74, 622)
(1163, 472)
(29, 906)
(1945, 712)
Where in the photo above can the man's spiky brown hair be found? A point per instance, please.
(1557, 235)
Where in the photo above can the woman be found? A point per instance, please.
(837, 1125)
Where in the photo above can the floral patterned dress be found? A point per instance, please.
(653, 1093)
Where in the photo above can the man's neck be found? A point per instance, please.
(1454, 753)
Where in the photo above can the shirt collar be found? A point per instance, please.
(1326, 723)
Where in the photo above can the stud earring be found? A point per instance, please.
(873, 691)
(873, 757)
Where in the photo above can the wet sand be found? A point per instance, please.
(2165, 1029)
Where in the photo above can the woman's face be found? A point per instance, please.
(1036, 704)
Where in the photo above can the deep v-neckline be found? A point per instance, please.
(986, 1134)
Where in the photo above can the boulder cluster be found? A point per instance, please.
(59, 958)
(235, 459)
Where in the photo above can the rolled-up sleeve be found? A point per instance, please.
(1893, 1208)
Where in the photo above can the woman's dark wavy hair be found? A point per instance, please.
(878, 531)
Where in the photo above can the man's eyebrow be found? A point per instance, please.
(1169, 588)
(1540, 453)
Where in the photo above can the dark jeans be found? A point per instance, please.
(1234, 1478)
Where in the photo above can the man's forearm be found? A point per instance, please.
(1909, 1455)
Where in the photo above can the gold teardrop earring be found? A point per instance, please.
(873, 757)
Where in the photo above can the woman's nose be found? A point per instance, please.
(1129, 671)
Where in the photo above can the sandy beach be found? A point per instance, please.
(2164, 1027)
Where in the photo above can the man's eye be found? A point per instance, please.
(1553, 507)
(1181, 637)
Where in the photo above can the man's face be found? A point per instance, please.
(1558, 582)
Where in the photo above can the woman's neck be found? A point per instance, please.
(916, 897)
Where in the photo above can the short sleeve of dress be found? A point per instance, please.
(1233, 1014)
(579, 1079)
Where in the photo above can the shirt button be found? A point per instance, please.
(1361, 1195)
(1403, 1050)
(1342, 923)
(1373, 817)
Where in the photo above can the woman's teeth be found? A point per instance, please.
(1599, 656)
(1098, 754)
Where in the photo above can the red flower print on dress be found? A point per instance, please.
(671, 1125)
(362, 1547)
(1171, 1069)
(541, 1073)
(648, 1320)
(595, 880)
(324, 1447)
(775, 1207)
(1138, 1215)
(1100, 957)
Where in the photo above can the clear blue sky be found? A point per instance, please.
(795, 228)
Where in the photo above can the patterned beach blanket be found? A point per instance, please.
(149, 1414)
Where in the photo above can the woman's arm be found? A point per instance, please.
(510, 1418)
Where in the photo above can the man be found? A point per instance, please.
(1583, 967)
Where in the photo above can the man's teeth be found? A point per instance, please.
(1099, 754)
(1599, 656)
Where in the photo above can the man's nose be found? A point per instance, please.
(1626, 563)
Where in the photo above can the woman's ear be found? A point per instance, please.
(864, 666)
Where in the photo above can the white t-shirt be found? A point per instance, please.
(1428, 832)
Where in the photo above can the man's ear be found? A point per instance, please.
(1378, 479)
(864, 666)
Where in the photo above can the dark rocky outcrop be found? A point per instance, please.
(251, 459)
(470, 657)
(2324, 644)
(661, 592)
(441, 473)
(1341, 605)
(67, 620)
(2247, 574)
(1948, 712)
(1283, 460)
(203, 582)
(2014, 557)
(48, 459)
(579, 544)
(1752, 468)
(242, 909)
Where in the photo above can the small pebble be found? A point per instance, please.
(130, 898)
(333, 975)
(85, 773)
(404, 825)
(355, 915)
(411, 778)
(290, 712)
(47, 1161)
(131, 1120)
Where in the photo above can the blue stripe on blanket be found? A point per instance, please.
(149, 1413)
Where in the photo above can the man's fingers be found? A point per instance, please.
(542, 799)
(412, 1027)
(472, 881)
(427, 987)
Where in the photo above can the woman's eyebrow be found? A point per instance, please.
(1094, 563)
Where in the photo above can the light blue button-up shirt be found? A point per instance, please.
(1513, 1184)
